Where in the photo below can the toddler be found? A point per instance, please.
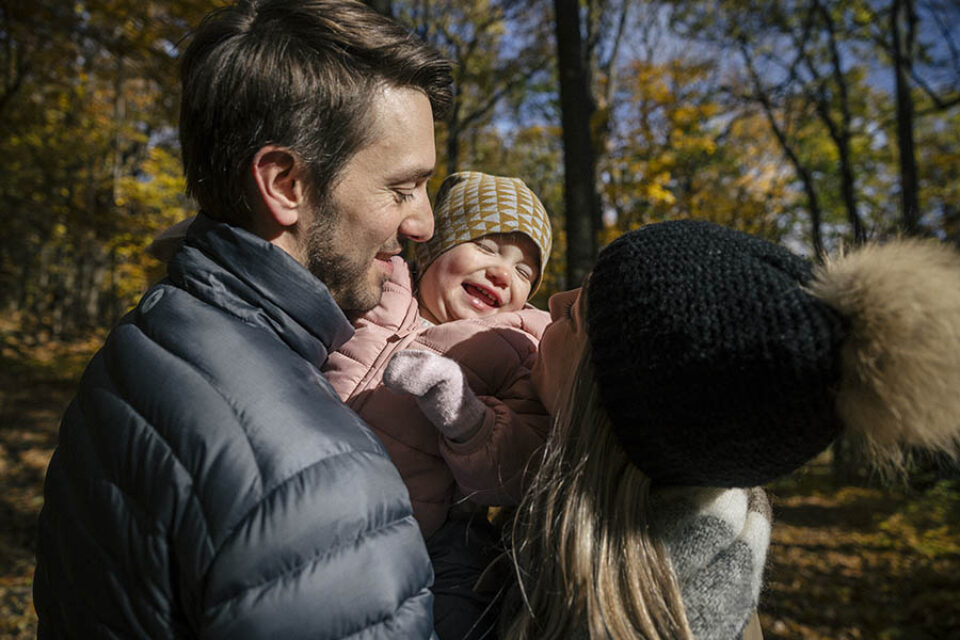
(464, 426)
(486, 258)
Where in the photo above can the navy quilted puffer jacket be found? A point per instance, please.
(209, 483)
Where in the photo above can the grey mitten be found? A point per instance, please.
(717, 540)
(441, 391)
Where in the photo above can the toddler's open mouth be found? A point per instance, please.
(483, 294)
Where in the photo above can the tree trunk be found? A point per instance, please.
(59, 294)
(40, 300)
(452, 161)
(23, 276)
(840, 133)
(902, 30)
(116, 308)
(581, 200)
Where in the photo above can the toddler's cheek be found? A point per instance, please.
(514, 305)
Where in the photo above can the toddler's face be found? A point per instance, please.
(480, 278)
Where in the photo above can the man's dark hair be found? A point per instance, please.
(301, 74)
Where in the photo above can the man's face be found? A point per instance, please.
(379, 199)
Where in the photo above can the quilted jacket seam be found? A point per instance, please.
(383, 621)
(261, 503)
(207, 377)
(194, 497)
(81, 523)
(310, 562)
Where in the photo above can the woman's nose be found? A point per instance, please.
(560, 303)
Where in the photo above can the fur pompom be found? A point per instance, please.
(900, 378)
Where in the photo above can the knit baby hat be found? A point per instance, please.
(471, 204)
(725, 360)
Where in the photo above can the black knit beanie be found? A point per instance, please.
(716, 366)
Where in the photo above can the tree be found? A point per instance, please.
(86, 107)
(498, 49)
(922, 45)
(581, 200)
(903, 25)
(799, 58)
(673, 156)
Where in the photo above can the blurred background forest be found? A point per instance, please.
(815, 123)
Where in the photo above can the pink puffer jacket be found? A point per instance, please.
(495, 353)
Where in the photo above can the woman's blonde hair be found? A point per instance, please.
(587, 563)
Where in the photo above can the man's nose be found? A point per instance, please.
(418, 226)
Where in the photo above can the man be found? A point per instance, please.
(208, 482)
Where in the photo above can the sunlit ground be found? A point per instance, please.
(862, 563)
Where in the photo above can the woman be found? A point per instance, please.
(698, 360)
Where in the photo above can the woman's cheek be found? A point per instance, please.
(537, 377)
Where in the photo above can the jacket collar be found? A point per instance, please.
(243, 274)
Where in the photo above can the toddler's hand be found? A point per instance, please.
(441, 391)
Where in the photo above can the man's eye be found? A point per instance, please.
(403, 196)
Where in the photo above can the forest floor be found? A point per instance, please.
(845, 562)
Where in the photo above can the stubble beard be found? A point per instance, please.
(345, 277)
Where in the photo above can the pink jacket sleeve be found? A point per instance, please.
(497, 359)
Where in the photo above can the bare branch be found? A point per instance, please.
(806, 179)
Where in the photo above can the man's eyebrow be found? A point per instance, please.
(415, 175)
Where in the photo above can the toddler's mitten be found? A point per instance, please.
(441, 391)
(717, 540)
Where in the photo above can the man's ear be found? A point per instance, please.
(277, 174)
